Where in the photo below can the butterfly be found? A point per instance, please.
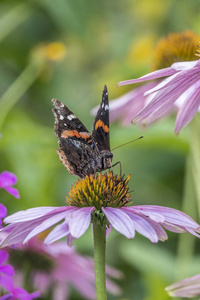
(80, 152)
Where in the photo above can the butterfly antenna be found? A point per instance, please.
(128, 143)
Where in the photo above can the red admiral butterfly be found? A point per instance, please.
(80, 152)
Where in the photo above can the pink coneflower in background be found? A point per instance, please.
(187, 288)
(98, 197)
(7, 180)
(181, 89)
(57, 268)
(176, 47)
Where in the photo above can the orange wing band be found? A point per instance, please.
(99, 123)
(70, 133)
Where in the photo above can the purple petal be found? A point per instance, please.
(184, 65)
(150, 76)
(108, 230)
(19, 233)
(3, 256)
(120, 221)
(8, 270)
(80, 221)
(168, 95)
(34, 213)
(191, 101)
(7, 179)
(142, 226)
(57, 233)
(189, 287)
(46, 224)
(171, 215)
(19, 293)
(3, 211)
(70, 240)
(173, 228)
(13, 191)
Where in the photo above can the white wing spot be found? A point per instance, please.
(102, 106)
(61, 117)
(106, 107)
(65, 124)
(71, 117)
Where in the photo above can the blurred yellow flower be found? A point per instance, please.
(55, 51)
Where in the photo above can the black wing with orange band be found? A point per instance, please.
(68, 126)
(100, 131)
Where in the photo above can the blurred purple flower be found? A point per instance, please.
(148, 220)
(7, 179)
(16, 293)
(3, 213)
(5, 270)
(6, 282)
(57, 267)
(182, 88)
(188, 288)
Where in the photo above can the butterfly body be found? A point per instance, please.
(80, 152)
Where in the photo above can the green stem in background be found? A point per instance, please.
(187, 241)
(195, 156)
(12, 19)
(191, 198)
(20, 86)
(99, 259)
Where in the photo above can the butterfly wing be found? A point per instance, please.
(100, 131)
(76, 143)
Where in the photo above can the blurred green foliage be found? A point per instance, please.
(106, 42)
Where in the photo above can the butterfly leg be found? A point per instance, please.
(118, 162)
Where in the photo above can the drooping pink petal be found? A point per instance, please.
(57, 233)
(189, 287)
(191, 102)
(80, 221)
(163, 84)
(61, 291)
(120, 221)
(173, 228)
(35, 213)
(46, 224)
(153, 75)
(171, 215)
(143, 226)
(184, 65)
(167, 96)
(19, 232)
(29, 214)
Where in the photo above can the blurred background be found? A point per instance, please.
(68, 50)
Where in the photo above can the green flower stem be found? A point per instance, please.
(20, 86)
(186, 242)
(191, 198)
(99, 260)
(195, 155)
